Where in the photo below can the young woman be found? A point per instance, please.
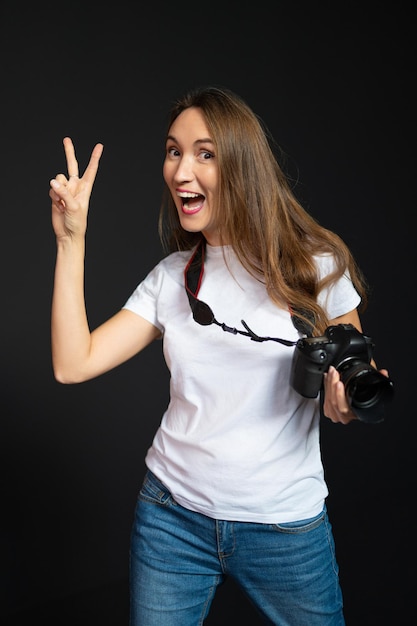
(234, 483)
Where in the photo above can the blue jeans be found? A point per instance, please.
(178, 558)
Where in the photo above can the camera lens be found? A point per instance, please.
(367, 390)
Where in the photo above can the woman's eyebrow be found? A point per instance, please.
(197, 141)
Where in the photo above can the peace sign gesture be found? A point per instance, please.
(70, 194)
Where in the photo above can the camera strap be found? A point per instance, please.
(202, 313)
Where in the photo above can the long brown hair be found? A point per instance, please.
(258, 214)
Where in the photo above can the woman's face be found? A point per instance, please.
(191, 173)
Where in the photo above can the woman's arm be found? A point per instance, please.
(77, 353)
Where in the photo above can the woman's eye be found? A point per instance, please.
(173, 152)
(206, 155)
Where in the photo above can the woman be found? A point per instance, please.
(234, 483)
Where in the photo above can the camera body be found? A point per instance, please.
(350, 352)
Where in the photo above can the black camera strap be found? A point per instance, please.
(202, 313)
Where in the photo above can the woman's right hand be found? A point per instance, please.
(70, 194)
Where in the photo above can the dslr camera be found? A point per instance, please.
(350, 352)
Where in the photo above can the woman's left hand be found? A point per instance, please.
(336, 406)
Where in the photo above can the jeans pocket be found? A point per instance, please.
(154, 491)
(302, 526)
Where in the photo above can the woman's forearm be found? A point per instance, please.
(70, 331)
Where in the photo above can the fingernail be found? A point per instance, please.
(55, 184)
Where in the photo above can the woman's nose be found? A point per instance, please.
(184, 171)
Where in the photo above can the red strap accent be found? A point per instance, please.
(193, 276)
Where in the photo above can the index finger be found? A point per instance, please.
(72, 163)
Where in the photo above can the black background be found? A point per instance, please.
(333, 83)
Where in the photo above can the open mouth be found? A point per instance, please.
(191, 202)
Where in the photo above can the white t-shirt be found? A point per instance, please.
(236, 442)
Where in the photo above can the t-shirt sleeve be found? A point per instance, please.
(143, 300)
(341, 297)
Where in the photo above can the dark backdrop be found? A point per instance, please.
(333, 83)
